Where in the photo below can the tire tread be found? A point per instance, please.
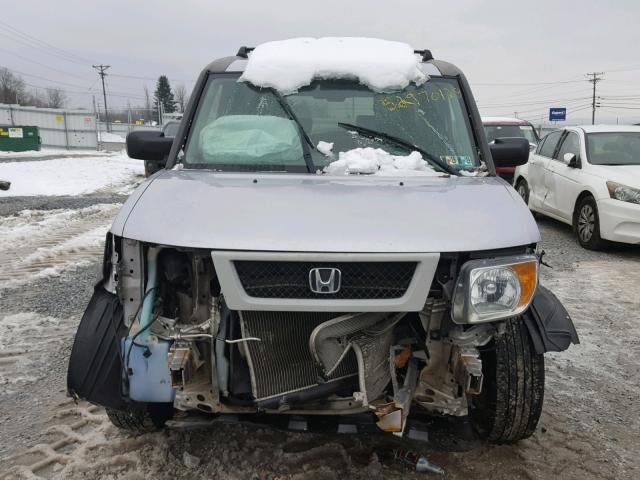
(519, 386)
(134, 421)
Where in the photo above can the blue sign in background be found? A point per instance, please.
(556, 114)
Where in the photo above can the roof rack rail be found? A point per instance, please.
(244, 52)
(426, 54)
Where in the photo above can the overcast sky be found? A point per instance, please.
(495, 42)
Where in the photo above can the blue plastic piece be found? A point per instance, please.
(148, 370)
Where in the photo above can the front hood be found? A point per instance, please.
(314, 213)
(628, 175)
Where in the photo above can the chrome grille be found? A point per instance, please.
(281, 362)
(359, 280)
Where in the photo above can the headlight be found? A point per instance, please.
(494, 289)
(623, 193)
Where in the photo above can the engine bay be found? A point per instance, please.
(186, 347)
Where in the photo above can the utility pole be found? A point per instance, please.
(594, 79)
(101, 71)
(128, 116)
(96, 115)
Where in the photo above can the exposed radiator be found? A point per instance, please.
(282, 363)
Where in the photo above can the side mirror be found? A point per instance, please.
(571, 160)
(146, 145)
(509, 152)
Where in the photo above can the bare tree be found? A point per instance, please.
(33, 98)
(55, 98)
(181, 95)
(12, 89)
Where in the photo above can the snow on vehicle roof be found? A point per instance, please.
(504, 120)
(289, 65)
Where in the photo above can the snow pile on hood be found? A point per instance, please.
(325, 148)
(289, 65)
(375, 161)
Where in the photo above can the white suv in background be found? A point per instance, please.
(588, 177)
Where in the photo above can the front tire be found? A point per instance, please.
(586, 223)
(509, 406)
(523, 190)
(522, 187)
(148, 419)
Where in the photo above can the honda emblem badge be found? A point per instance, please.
(324, 280)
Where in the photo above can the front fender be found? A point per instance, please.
(549, 324)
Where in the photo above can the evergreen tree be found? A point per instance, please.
(164, 95)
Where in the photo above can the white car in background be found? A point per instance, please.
(588, 177)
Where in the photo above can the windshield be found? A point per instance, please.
(502, 131)
(239, 127)
(613, 148)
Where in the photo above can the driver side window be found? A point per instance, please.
(571, 144)
(550, 142)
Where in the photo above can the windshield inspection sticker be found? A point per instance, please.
(460, 161)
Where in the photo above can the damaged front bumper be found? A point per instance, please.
(328, 357)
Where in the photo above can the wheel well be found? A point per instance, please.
(519, 179)
(583, 194)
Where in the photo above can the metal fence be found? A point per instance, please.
(64, 128)
(58, 128)
(122, 129)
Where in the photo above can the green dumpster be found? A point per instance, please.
(19, 138)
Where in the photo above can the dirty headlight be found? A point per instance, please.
(494, 289)
(623, 193)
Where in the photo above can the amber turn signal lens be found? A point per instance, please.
(528, 276)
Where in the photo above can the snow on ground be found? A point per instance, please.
(70, 176)
(49, 152)
(289, 65)
(110, 137)
(24, 339)
(44, 243)
(376, 161)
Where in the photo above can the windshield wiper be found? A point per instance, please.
(306, 143)
(367, 132)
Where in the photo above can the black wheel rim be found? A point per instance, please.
(586, 223)
(522, 191)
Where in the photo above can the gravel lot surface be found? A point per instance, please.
(17, 204)
(590, 427)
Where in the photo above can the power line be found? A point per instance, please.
(117, 94)
(533, 111)
(525, 83)
(594, 79)
(138, 77)
(42, 64)
(35, 42)
(86, 92)
(537, 102)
